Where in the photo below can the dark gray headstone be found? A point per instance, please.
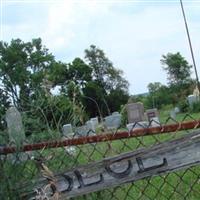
(152, 113)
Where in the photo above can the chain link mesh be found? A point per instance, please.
(20, 168)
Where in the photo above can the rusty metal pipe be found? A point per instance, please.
(105, 137)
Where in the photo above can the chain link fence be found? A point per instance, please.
(20, 168)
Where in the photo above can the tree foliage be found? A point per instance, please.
(177, 67)
(28, 73)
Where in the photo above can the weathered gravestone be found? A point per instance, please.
(113, 121)
(67, 130)
(16, 134)
(91, 126)
(124, 168)
(82, 131)
(173, 114)
(15, 127)
(152, 113)
(135, 112)
(192, 99)
(95, 122)
(137, 125)
(177, 110)
(153, 117)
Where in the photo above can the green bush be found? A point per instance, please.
(183, 106)
(195, 107)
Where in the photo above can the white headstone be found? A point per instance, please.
(173, 114)
(155, 122)
(176, 110)
(137, 125)
(90, 125)
(67, 130)
(192, 99)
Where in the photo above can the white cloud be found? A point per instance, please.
(134, 35)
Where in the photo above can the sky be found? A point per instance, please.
(133, 34)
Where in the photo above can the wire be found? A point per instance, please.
(190, 44)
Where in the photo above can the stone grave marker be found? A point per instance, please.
(82, 131)
(95, 121)
(67, 130)
(16, 134)
(155, 122)
(151, 113)
(113, 121)
(15, 127)
(135, 112)
(192, 99)
(177, 110)
(91, 126)
(137, 125)
(173, 114)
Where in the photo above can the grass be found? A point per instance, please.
(179, 185)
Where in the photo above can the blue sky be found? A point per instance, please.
(133, 34)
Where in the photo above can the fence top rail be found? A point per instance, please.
(103, 137)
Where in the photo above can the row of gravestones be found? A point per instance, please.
(136, 119)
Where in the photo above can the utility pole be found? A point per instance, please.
(190, 44)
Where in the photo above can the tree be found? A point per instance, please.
(107, 83)
(23, 69)
(158, 95)
(177, 68)
(103, 70)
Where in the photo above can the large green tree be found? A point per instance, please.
(23, 69)
(107, 80)
(179, 75)
(177, 67)
(103, 71)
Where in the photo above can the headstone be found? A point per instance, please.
(196, 92)
(15, 127)
(192, 99)
(173, 114)
(16, 134)
(176, 110)
(82, 131)
(137, 125)
(155, 122)
(95, 121)
(67, 130)
(135, 112)
(151, 113)
(113, 121)
(90, 125)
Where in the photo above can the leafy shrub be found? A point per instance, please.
(183, 106)
(195, 107)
